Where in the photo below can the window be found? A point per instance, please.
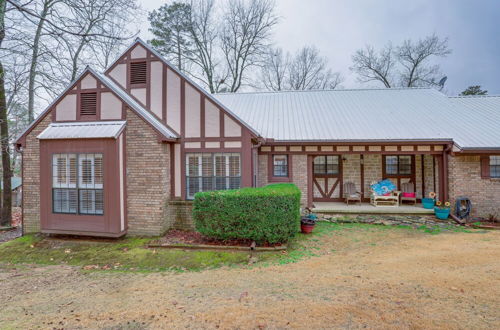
(88, 104)
(212, 171)
(398, 165)
(326, 165)
(280, 165)
(77, 184)
(138, 73)
(495, 166)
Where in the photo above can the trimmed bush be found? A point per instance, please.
(268, 214)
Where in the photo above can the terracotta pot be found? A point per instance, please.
(306, 229)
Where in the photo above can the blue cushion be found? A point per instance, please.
(383, 187)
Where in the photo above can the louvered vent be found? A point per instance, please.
(88, 104)
(138, 73)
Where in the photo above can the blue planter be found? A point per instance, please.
(428, 203)
(442, 214)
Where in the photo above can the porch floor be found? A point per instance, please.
(367, 208)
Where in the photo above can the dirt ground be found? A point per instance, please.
(374, 279)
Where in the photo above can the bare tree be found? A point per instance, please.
(274, 71)
(414, 59)
(245, 35)
(373, 66)
(6, 214)
(306, 70)
(205, 39)
(407, 65)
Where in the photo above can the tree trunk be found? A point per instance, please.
(5, 218)
(34, 62)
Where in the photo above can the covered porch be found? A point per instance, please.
(367, 208)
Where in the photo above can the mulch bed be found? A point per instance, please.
(194, 238)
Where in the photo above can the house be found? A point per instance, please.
(16, 188)
(124, 152)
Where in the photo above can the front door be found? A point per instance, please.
(327, 178)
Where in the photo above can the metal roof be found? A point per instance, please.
(15, 182)
(83, 130)
(364, 115)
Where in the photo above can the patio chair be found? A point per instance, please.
(392, 199)
(408, 188)
(351, 193)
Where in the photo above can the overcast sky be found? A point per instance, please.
(340, 27)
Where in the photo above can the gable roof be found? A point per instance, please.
(139, 41)
(417, 114)
(143, 113)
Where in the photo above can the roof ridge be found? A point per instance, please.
(472, 96)
(326, 90)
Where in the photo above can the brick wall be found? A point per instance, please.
(148, 179)
(465, 180)
(373, 171)
(31, 178)
(180, 215)
(351, 169)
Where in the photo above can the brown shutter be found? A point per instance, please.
(138, 73)
(88, 104)
(485, 167)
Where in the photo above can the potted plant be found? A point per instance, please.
(442, 211)
(428, 203)
(308, 221)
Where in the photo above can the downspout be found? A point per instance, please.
(255, 155)
(20, 150)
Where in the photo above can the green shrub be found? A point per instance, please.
(268, 214)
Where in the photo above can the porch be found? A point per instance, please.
(367, 208)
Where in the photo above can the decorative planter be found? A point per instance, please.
(442, 214)
(428, 203)
(306, 229)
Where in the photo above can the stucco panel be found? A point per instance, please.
(138, 52)
(119, 73)
(212, 120)
(192, 103)
(139, 94)
(66, 108)
(231, 128)
(173, 100)
(88, 82)
(157, 88)
(111, 106)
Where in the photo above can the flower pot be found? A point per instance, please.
(428, 203)
(306, 229)
(442, 214)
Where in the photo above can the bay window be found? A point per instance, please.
(212, 171)
(77, 184)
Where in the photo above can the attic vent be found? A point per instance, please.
(88, 104)
(138, 73)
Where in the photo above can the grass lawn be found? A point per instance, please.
(343, 276)
(131, 254)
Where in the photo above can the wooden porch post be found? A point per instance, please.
(309, 181)
(444, 177)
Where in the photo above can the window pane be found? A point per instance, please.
(64, 200)
(332, 164)
(77, 172)
(391, 164)
(280, 165)
(319, 165)
(404, 164)
(212, 171)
